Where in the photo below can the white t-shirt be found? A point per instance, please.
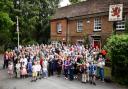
(45, 64)
(34, 68)
(38, 67)
(18, 66)
(25, 61)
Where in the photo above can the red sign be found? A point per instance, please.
(115, 12)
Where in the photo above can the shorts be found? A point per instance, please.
(34, 74)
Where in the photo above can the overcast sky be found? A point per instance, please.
(64, 3)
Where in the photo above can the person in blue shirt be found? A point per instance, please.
(29, 67)
(92, 73)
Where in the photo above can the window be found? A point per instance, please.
(59, 28)
(120, 25)
(79, 26)
(97, 24)
(80, 41)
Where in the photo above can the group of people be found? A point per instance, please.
(71, 61)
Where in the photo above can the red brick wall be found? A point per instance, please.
(87, 28)
(58, 36)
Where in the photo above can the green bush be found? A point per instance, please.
(117, 47)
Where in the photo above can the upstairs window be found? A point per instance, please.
(97, 24)
(120, 25)
(59, 28)
(79, 26)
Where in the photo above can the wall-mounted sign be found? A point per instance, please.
(115, 12)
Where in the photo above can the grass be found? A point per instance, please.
(107, 72)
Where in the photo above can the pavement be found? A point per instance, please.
(53, 82)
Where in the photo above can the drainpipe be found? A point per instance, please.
(67, 31)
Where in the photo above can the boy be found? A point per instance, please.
(92, 73)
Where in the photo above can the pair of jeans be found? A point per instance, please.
(66, 73)
(45, 73)
(101, 72)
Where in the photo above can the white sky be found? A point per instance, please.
(64, 3)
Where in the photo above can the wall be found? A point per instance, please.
(106, 29)
(54, 34)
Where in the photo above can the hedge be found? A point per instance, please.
(117, 47)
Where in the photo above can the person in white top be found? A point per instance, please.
(18, 65)
(34, 72)
(38, 70)
(45, 69)
(10, 69)
(25, 60)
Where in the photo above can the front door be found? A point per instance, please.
(97, 43)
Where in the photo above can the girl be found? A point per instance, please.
(23, 70)
(38, 70)
(10, 69)
(18, 69)
(84, 72)
(45, 69)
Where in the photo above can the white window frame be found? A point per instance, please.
(120, 25)
(79, 25)
(97, 24)
(59, 28)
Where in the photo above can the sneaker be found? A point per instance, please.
(103, 81)
(94, 83)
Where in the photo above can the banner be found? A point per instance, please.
(115, 12)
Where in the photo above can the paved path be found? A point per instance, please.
(50, 83)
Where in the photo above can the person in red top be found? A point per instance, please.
(41, 61)
(103, 52)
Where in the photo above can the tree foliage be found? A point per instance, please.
(117, 47)
(34, 16)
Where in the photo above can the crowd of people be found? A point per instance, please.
(69, 61)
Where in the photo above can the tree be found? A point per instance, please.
(47, 9)
(5, 24)
(34, 17)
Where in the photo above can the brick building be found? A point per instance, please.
(71, 23)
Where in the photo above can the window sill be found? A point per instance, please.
(59, 32)
(79, 32)
(96, 30)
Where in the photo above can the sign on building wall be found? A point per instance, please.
(115, 12)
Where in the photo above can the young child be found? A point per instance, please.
(18, 69)
(38, 70)
(87, 71)
(45, 69)
(29, 67)
(84, 72)
(34, 72)
(92, 73)
(23, 70)
(10, 69)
